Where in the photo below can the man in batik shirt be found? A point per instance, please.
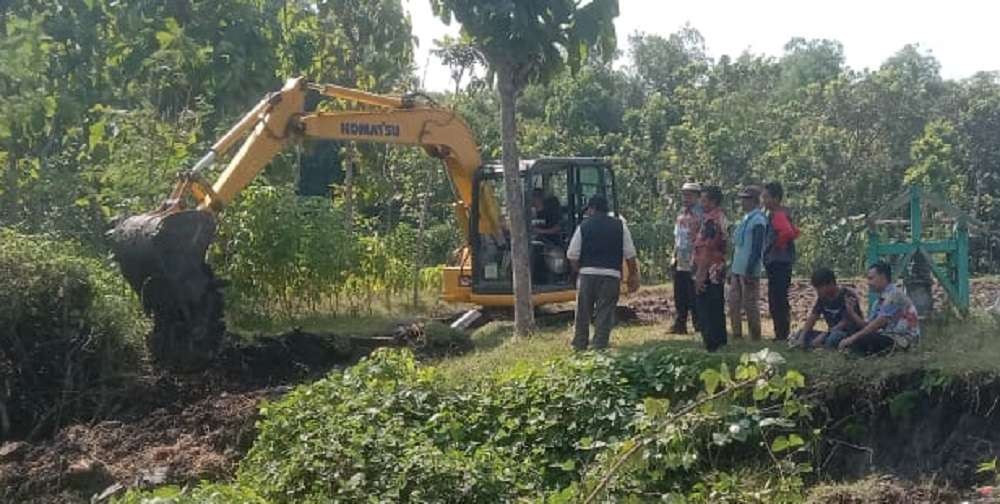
(893, 322)
(710, 270)
(685, 231)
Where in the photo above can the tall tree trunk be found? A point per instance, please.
(349, 188)
(524, 315)
(418, 261)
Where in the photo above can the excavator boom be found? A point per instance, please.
(162, 252)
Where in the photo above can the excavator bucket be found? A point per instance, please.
(162, 255)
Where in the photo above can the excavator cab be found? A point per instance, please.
(556, 191)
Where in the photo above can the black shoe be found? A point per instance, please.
(679, 329)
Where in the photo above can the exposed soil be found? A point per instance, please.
(656, 305)
(913, 428)
(182, 428)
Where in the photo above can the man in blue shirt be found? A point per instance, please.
(747, 264)
(893, 322)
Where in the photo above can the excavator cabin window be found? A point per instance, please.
(555, 192)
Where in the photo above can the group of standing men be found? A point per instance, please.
(705, 276)
(763, 245)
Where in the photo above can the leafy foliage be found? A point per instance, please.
(289, 256)
(537, 433)
(70, 326)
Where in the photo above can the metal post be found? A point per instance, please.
(962, 258)
(916, 222)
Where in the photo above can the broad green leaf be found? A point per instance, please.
(711, 378)
(779, 444)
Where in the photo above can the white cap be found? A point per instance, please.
(691, 186)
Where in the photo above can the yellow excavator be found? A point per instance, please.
(162, 253)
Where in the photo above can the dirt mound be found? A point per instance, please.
(882, 490)
(179, 428)
(178, 444)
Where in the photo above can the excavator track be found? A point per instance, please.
(162, 255)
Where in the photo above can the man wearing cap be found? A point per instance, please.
(596, 252)
(747, 264)
(685, 231)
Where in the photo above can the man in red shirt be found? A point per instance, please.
(779, 257)
(710, 270)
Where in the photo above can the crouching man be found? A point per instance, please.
(892, 323)
(840, 308)
(596, 251)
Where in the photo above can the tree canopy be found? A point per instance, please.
(104, 102)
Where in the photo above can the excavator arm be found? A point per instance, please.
(280, 119)
(161, 253)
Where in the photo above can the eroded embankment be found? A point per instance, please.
(920, 426)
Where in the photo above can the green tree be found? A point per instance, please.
(665, 64)
(460, 56)
(936, 161)
(810, 61)
(525, 41)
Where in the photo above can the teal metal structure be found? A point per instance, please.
(952, 273)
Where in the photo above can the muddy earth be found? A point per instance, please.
(174, 428)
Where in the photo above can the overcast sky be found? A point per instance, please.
(964, 35)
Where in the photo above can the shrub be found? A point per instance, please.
(654, 242)
(281, 251)
(290, 256)
(388, 430)
(207, 493)
(70, 325)
(523, 433)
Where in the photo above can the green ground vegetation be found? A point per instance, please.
(529, 419)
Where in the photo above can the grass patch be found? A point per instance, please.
(957, 348)
(382, 319)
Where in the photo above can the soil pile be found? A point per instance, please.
(172, 428)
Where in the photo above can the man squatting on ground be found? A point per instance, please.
(893, 321)
(840, 308)
(747, 264)
(710, 270)
(596, 251)
(686, 228)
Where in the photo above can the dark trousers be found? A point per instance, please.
(779, 279)
(684, 299)
(711, 304)
(874, 343)
(596, 298)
